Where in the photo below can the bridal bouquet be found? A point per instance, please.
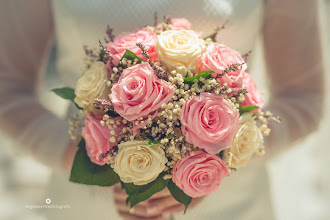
(163, 107)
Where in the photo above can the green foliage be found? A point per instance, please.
(85, 172)
(102, 55)
(204, 74)
(81, 143)
(137, 194)
(112, 114)
(66, 93)
(179, 195)
(247, 108)
(129, 55)
(152, 142)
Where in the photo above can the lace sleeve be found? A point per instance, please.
(295, 65)
(25, 38)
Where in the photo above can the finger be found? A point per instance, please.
(128, 216)
(161, 194)
(138, 210)
(123, 207)
(180, 207)
(120, 195)
(117, 187)
(174, 209)
(165, 192)
(162, 203)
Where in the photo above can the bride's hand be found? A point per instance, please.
(140, 211)
(159, 207)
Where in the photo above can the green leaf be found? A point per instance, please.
(137, 194)
(121, 184)
(179, 195)
(152, 142)
(247, 108)
(112, 114)
(81, 143)
(66, 93)
(130, 56)
(221, 154)
(85, 172)
(204, 74)
(102, 55)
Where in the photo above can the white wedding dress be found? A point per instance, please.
(243, 195)
(81, 23)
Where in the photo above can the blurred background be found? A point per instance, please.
(300, 178)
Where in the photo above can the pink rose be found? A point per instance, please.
(180, 24)
(209, 122)
(253, 97)
(139, 92)
(128, 41)
(200, 174)
(97, 138)
(217, 58)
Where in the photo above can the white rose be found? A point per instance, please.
(91, 85)
(138, 163)
(179, 48)
(247, 141)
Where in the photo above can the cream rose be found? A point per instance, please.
(91, 85)
(179, 48)
(247, 141)
(138, 163)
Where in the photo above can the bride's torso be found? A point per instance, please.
(79, 23)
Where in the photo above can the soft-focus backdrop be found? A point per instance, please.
(300, 178)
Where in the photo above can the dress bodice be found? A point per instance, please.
(80, 23)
